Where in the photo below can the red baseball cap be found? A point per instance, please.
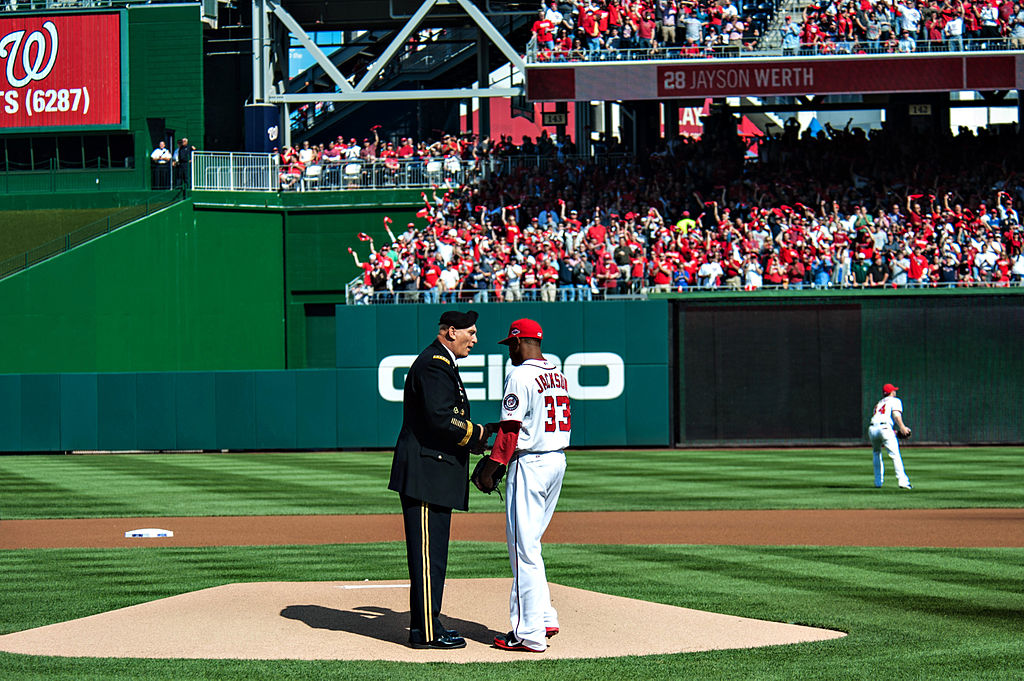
(523, 328)
(889, 388)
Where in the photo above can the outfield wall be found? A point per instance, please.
(620, 389)
(165, 293)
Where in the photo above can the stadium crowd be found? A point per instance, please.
(843, 209)
(388, 156)
(597, 29)
(602, 29)
(860, 26)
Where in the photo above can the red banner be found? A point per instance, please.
(827, 76)
(60, 71)
(700, 78)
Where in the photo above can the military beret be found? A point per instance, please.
(459, 320)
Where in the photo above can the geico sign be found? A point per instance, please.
(486, 373)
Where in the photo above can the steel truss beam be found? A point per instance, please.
(350, 91)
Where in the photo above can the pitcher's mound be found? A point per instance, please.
(369, 620)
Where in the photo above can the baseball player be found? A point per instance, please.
(532, 436)
(888, 413)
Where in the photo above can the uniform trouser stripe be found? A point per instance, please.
(428, 619)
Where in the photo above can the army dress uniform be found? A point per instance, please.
(430, 472)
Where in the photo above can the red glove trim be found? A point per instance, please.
(505, 441)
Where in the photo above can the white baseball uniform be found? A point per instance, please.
(883, 436)
(536, 396)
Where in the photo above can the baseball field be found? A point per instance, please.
(925, 584)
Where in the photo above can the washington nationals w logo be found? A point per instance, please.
(29, 53)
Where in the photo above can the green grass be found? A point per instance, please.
(910, 613)
(23, 230)
(356, 482)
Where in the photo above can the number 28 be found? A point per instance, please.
(553, 421)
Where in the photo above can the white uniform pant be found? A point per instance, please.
(884, 438)
(534, 483)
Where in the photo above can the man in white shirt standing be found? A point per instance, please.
(954, 32)
(887, 415)
(532, 436)
(161, 158)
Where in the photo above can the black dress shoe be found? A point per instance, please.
(445, 641)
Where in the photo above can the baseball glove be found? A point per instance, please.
(484, 482)
(903, 437)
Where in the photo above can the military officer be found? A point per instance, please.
(430, 471)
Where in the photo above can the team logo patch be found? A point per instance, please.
(510, 402)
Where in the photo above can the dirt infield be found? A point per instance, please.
(917, 527)
(369, 620)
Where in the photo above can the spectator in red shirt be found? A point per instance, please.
(918, 269)
(542, 29)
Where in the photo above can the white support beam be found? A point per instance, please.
(498, 39)
(395, 45)
(266, 91)
(322, 59)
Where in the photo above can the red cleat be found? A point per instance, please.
(510, 642)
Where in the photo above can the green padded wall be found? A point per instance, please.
(375, 344)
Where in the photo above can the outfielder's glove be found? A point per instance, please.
(487, 475)
(903, 437)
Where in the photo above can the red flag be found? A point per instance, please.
(916, 196)
(421, 213)
(363, 236)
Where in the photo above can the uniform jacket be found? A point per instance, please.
(432, 453)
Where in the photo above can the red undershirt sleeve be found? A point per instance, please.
(505, 441)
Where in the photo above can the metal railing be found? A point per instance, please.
(846, 48)
(88, 233)
(357, 293)
(243, 171)
(235, 171)
(239, 171)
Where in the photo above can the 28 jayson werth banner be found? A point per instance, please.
(60, 71)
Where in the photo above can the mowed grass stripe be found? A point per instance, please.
(356, 482)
